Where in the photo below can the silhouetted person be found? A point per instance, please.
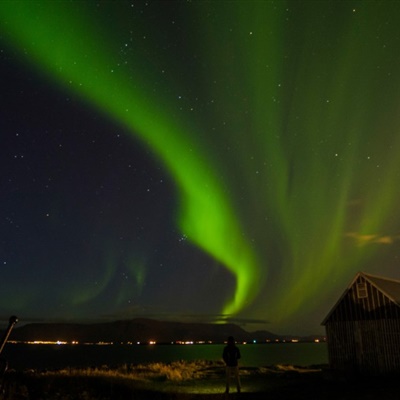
(231, 356)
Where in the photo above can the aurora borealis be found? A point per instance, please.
(205, 160)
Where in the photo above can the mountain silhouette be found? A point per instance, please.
(136, 330)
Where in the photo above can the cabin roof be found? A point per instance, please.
(389, 287)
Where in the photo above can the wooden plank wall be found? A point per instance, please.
(364, 333)
(371, 347)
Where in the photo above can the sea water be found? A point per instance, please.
(33, 356)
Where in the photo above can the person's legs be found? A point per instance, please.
(232, 372)
(228, 377)
(237, 377)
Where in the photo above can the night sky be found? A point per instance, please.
(201, 161)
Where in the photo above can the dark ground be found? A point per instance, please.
(257, 384)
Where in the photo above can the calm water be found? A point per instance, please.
(22, 356)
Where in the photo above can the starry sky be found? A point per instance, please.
(208, 161)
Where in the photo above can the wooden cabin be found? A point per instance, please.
(363, 328)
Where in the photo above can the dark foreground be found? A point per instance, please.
(278, 383)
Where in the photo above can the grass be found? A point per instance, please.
(176, 371)
(125, 381)
(198, 380)
(178, 380)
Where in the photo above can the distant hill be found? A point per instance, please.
(136, 330)
(143, 330)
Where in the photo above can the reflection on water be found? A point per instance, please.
(22, 356)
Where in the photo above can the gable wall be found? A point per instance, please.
(375, 306)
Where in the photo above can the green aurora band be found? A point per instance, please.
(206, 215)
(302, 145)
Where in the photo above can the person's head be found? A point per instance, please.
(231, 340)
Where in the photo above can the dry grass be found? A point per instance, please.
(122, 382)
(176, 371)
(199, 380)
